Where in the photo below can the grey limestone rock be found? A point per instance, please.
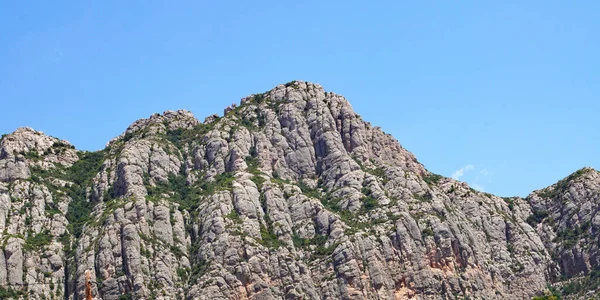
(288, 195)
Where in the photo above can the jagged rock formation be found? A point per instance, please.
(289, 195)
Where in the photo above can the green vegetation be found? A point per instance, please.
(318, 241)
(249, 123)
(176, 251)
(509, 201)
(427, 197)
(369, 202)
(31, 155)
(268, 238)
(51, 211)
(427, 232)
(551, 294)
(199, 268)
(452, 189)
(432, 179)
(377, 171)
(325, 251)
(81, 174)
(187, 196)
(577, 286)
(181, 136)
(60, 144)
(332, 204)
(182, 273)
(37, 241)
(234, 216)
(574, 288)
(258, 180)
(572, 234)
(8, 293)
(223, 181)
(126, 296)
(308, 191)
(550, 297)
(83, 170)
(562, 185)
(292, 84)
(253, 165)
(259, 98)
(537, 217)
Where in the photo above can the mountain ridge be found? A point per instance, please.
(291, 179)
(209, 119)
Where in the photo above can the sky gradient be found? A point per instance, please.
(502, 95)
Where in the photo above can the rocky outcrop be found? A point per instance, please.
(288, 195)
(565, 216)
(32, 216)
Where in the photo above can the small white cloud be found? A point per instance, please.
(55, 55)
(461, 172)
(478, 187)
(484, 172)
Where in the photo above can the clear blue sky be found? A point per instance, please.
(505, 90)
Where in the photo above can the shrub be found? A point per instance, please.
(36, 241)
(292, 84)
(425, 197)
(308, 191)
(253, 152)
(182, 273)
(181, 136)
(223, 181)
(427, 232)
(176, 251)
(325, 251)
(126, 296)
(81, 174)
(537, 217)
(561, 185)
(379, 172)
(268, 238)
(509, 201)
(369, 203)
(258, 180)
(199, 268)
(248, 124)
(31, 155)
(8, 293)
(432, 178)
(234, 216)
(253, 164)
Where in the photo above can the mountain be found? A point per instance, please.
(290, 195)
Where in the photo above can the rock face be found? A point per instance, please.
(289, 195)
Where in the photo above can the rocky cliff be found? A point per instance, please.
(288, 195)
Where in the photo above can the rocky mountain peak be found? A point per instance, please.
(577, 180)
(26, 147)
(26, 139)
(289, 195)
(159, 124)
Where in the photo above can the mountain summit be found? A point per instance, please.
(288, 195)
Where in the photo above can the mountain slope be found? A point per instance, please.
(288, 195)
